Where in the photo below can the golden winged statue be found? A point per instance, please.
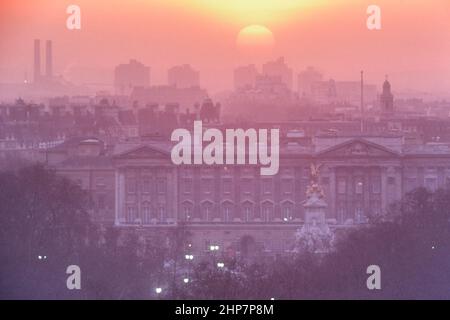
(314, 187)
(315, 172)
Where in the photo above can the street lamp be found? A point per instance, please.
(186, 280)
(158, 290)
(189, 257)
(214, 248)
(220, 264)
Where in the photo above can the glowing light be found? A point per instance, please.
(255, 36)
(259, 11)
(185, 280)
(158, 290)
(220, 264)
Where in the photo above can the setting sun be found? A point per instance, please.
(254, 41)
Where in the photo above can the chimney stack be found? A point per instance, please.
(48, 60)
(37, 60)
(362, 101)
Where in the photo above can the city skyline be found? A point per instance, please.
(332, 37)
(202, 150)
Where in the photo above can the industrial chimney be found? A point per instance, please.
(37, 60)
(48, 60)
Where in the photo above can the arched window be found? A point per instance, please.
(131, 214)
(287, 211)
(247, 211)
(227, 212)
(187, 213)
(267, 212)
(146, 213)
(206, 213)
(161, 216)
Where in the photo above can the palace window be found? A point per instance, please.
(146, 185)
(227, 212)
(187, 212)
(206, 212)
(247, 212)
(266, 186)
(267, 211)
(146, 212)
(391, 180)
(359, 215)
(131, 214)
(207, 186)
(376, 185)
(359, 185)
(288, 212)
(287, 186)
(162, 213)
(341, 213)
(226, 185)
(100, 183)
(187, 185)
(161, 186)
(342, 186)
(246, 186)
(131, 185)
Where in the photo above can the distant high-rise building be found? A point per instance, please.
(37, 61)
(279, 68)
(128, 76)
(387, 98)
(245, 76)
(183, 76)
(305, 80)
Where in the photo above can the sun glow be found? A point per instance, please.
(255, 43)
(255, 35)
(255, 11)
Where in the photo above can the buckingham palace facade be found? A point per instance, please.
(136, 185)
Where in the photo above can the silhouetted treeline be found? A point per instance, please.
(45, 226)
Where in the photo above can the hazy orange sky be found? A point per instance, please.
(413, 46)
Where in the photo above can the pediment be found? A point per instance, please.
(358, 148)
(144, 152)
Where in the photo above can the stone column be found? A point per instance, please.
(120, 194)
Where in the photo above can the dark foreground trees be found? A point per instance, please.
(411, 246)
(45, 226)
